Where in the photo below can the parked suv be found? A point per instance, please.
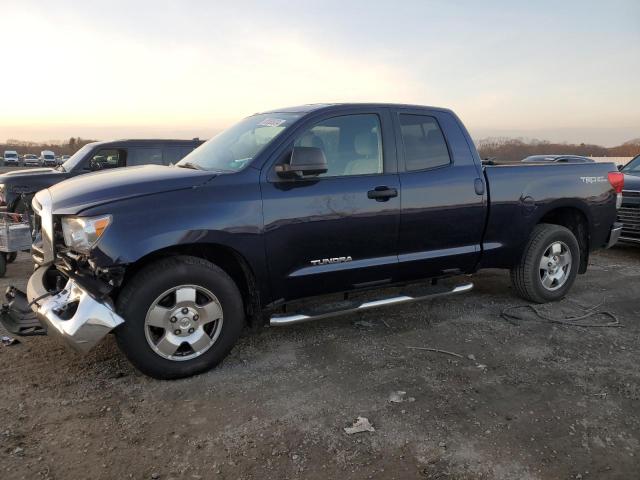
(11, 157)
(17, 187)
(629, 213)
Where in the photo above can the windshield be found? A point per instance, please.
(10, 155)
(234, 148)
(633, 167)
(76, 158)
(49, 157)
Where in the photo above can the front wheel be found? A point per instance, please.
(182, 317)
(549, 264)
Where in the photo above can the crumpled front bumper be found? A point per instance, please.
(72, 314)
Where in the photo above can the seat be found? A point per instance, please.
(365, 146)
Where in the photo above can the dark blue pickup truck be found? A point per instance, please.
(327, 203)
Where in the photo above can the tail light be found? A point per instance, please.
(616, 179)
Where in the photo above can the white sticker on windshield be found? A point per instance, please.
(272, 122)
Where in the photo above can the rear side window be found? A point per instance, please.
(423, 142)
(144, 156)
(175, 153)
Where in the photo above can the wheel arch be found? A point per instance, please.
(225, 257)
(576, 220)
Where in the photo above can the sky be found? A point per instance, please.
(556, 70)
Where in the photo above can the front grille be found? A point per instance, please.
(43, 247)
(630, 218)
(631, 194)
(37, 252)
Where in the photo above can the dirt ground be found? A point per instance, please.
(535, 400)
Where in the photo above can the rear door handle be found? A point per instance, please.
(382, 193)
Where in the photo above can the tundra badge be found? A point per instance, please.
(326, 261)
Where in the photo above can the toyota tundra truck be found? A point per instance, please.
(296, 215)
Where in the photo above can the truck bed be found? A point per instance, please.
(520, 195)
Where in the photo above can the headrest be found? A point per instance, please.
(366, 144)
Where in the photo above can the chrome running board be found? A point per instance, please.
(279, 319)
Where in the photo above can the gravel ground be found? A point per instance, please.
(526, 400)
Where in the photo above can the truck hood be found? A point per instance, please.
(85, 191)
(29, 172)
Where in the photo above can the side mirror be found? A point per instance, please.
(305, 162)
(620, 167)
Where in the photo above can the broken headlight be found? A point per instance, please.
(82, 233)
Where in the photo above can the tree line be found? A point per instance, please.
(66, 147)
(501, 148)
(515, 149)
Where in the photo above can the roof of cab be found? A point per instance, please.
(145, 141)
(341, 106)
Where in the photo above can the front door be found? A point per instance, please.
(336, 231)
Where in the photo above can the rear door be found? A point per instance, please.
(443, 195)
(174, 153)
(336, 231)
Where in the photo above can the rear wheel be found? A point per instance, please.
(182, 317)
(549, 264)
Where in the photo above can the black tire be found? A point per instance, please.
(527, 276)
(140, 293)
(11, 257)
(3, 264)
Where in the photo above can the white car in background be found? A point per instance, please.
(11, 158)
(31, 160)
(48, 158)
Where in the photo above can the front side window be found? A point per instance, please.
(424, 143)
(103, 159)
(144, 156)
(235, 148)
(352, 144)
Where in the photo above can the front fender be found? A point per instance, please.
(227, 212)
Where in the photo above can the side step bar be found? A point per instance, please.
(342, 308)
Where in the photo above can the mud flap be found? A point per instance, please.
(17, 316)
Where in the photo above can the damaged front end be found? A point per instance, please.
(61, 299)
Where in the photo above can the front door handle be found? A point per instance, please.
(382, 193)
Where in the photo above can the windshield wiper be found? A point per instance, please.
(190, 165)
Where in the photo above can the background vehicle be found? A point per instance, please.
(11, 158)
(629, 213)
(31, 160)
(19, 186)
(47, 158)
(63, 158)
(297, 203)
(558, 159)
